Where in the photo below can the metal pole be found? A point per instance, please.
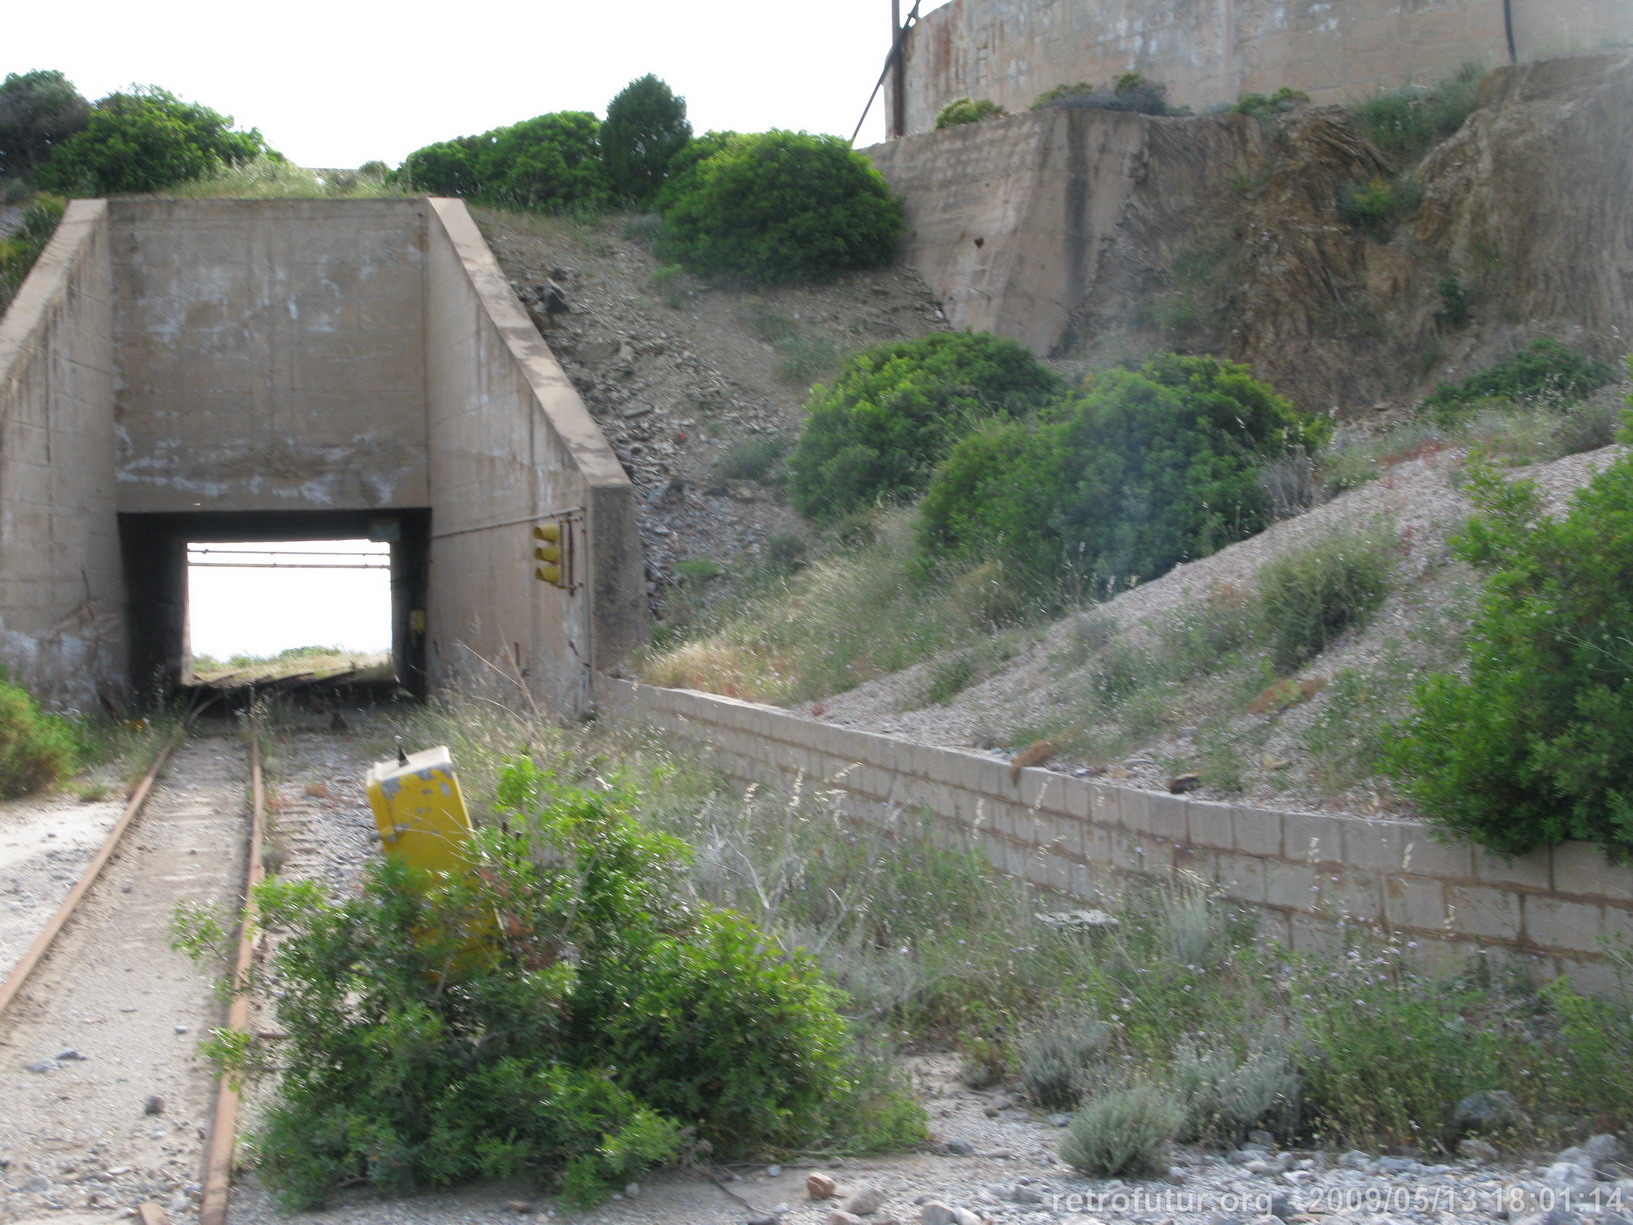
(898, 92)
(1508, 28)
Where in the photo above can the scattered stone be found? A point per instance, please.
(1281, 1205)
(1471, 1148)
(1396, 1165)
(773, 1171)
(867, 1201)
(1602, 1149)
(820, 1186)
(70, 1056)
(1079, 919)
(155, 1105)
(599, 350)
(42, 1066)
(1182, 783)
(1486, 1110)
(521, 1207)
(1573, 1174)
(1025, 1195)
(938, 1213)
(769, 1218)
(181, 1029)
(632, 1190)
(838, 1217)
(1060, 1120)
(1356, 1160)
(1261, 1139)
(35, 1184)
(958, 1148)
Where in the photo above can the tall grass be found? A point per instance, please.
(270, 178)
(844, 619)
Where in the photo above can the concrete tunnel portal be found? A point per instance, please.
(185, 371)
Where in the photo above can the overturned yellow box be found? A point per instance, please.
(420, 811)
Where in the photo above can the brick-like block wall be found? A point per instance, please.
(1304, 874)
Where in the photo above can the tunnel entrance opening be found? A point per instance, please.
(212, 574)
(273, 610)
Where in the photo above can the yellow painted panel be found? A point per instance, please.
(420, 811)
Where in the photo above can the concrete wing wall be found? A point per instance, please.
(270, 354)
(61, 625)
(1304, 876)
(1208, 55)
(511, 443)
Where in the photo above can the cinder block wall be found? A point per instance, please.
(1303, 874)
(61, 616)
(1208, 55)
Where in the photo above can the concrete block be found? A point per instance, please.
(1241, 877)
(1103, 803)
(1485, 911)
(1257, 832)
(1096, 842)
(1133, 809)
(1560, 925)
(1210, 827)
(1312, 838)
(1349, 896)
(1076, 798)
(1532, 870)
(943, 765)
(1168, 817)
(1039, 788)
(1292, 887)
(1581, 869)
(1313, 934)
(1411, 902)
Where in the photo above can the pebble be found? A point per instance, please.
(959, 1148)
(865, 1202)
(820, 1186)
(70, 1056)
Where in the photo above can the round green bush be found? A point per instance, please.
(645, 128)
(779, 208)
(1535, 745)
(1124, 1131)
(1148, 468)
(550, 163)
(146, 139)
(879, 431)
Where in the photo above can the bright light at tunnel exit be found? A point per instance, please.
(273, 595)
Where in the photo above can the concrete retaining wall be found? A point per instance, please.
(1301, 873)
(61, 624)
(512, 443)
(1208, 55)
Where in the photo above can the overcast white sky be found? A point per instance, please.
(338, 82)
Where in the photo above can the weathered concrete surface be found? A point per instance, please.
(512, 443)
(61, 628)
(271, 354)
(180, 362)
(1209, 54)
(1105, 235)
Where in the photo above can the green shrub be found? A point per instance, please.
(1124, 1131)
(1148, 468)
(1405, 122)
(565, 1012)
(967, 110)
(1378, 204)
(36, 749)
(38, 111)
(645, 128)
(777, 208)
(550, 163)
(1308, 598)
(1130, 92)
(751, 458)
(1262, 106)
(144, 140)
(1544, 371)
(1454, 303)
(1535, 746)
(1225, 1094)
(877, 433)
(1064, 1060)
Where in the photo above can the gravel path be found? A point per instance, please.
(104, 1100)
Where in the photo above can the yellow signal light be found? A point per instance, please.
(554, 553)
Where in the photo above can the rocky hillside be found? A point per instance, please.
(695, 387)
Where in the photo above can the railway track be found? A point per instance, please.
(105, 1103)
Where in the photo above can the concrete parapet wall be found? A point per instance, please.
(512, 443)
(1208, 55)
(61, 620)
(1302, 874)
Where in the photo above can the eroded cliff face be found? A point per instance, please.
(1105, 235)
